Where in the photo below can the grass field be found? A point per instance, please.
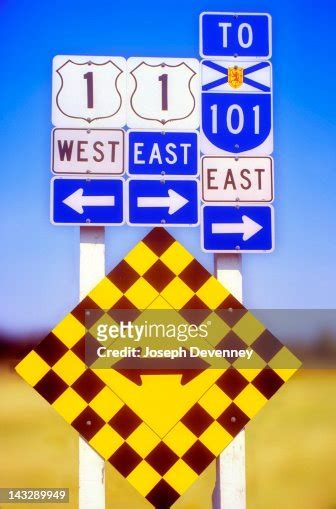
(291, 449)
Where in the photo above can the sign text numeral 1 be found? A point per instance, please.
(164, 94)
(89, 87)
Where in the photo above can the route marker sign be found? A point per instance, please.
(163, 93)
(171, 153)
(237, 109)
(232, 179)
(168, 202)
(76, 201)
(235, 229)
(230, 35)
(88, 91)
(83, 151)
(160, 430)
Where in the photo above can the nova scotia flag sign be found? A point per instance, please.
(237, 108)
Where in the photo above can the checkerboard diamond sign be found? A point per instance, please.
(163, 93)
(159, 428)
(89, 91)
(236, 108)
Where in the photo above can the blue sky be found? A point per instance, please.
(39, 279)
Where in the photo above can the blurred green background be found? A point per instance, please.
(291, 449)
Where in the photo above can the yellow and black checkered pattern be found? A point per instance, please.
(162, 433)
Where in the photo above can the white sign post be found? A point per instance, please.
(91, 465)
(237, 120)
(230, 488)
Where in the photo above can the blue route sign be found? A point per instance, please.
(235, 35)
(232, 229)
(163, 153)
(237, 107)
(87, 202)
(163, 203)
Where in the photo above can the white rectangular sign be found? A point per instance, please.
(163, 93)
(81, 151)
(88, 91)
(243, 179)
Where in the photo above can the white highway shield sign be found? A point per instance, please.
(163, 93)
(89, 91)
(243, 179)
(236, 108)
(85, 151)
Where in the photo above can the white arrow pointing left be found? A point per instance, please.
(77, 201)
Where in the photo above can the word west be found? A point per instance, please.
(97, 151)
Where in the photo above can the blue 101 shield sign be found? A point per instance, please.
(168, 202)
(88, 202)
(225, 34)
(236, 229)
(237, 115)
(163, 153)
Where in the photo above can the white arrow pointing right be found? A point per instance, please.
(248, 227)
(174, 201)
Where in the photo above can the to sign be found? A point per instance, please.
(76, 201)
(163, 92)
(159, 203)
(89, 91)
(234, 229)
(168, 153)
(97, 151)
(228, 35)
(243, 179)
(237, 108)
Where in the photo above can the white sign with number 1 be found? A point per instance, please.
(89, 91)
(163, 93)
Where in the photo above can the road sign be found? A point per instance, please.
(76, 201)
(163, 153)
(163, 202)
(237, 108)
(229, 35)
(162, 431)
(83, 151)
(163, 93)
(235, 229)
(89, 91)
(243, 179)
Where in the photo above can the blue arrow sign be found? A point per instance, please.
(241, 35)
(238, 229)
(169, 202)
(86, 201)
(156, 153)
